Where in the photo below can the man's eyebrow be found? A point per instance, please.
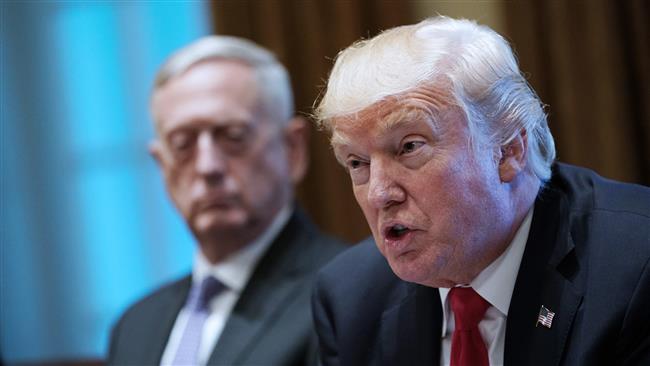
(218, 123)
(403, 117)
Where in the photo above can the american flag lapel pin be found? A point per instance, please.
(545, 317)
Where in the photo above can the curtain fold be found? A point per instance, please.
(589, 61)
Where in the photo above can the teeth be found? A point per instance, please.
(398, 230)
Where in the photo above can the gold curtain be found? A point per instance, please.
(306, 36)
(589, 61)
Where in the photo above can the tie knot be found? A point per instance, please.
(201, 295)
(468, 307)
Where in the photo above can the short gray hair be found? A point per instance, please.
(473, 61)
(272, 78)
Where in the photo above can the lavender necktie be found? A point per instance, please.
(197, 311)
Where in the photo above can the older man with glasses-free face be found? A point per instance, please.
(231, 151)
(485, 250)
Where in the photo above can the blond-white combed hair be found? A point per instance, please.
(272, 77)
(473, 64)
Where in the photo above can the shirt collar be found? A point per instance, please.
(497, 281)
(237, 268)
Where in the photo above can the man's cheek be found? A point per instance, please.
(360, 195)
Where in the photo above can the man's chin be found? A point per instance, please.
(421, 275)
(219, 223)
(408, 269)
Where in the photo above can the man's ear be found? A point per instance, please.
(513, 157)
(156, 151)
(296, 136)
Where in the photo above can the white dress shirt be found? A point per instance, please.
(234, 272)
(495, 284)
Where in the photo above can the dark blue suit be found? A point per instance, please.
(586, 259)
(271, 322)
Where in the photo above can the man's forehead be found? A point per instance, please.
(218, 90)
(377, 123)
(210, 76)
(422, 102)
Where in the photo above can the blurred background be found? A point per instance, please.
(86, 226)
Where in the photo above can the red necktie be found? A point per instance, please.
(467, 346)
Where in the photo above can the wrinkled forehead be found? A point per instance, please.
(422, 105)
(216, 90)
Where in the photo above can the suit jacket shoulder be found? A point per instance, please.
(365, 315)
(270, 323)
(586, 259)
(140, 336)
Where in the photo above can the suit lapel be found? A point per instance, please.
(163, 320)
(543, 281)
(248, 320)
(410, 331)
(274, 282)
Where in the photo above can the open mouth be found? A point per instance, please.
(396, 231)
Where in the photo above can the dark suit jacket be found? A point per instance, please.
(586, 259)
(271, 323)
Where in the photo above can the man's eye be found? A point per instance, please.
(354, 164)
(181, 141)
(358, 170)
(236, 134)
(410, 146)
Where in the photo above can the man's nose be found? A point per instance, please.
(383, 189)
(210, 160)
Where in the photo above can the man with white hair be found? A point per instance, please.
(485, 251)
(231, 151)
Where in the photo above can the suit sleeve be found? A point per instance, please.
(325, 330)
(635, 334)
